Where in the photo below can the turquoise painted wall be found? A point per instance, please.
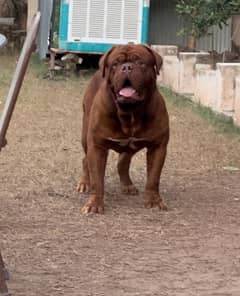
(91, 46)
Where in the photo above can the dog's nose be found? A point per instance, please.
(127, 67)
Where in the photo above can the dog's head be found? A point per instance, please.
(131, 72)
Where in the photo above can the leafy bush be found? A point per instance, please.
(200, 15)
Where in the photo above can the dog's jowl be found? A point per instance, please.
(124, 111)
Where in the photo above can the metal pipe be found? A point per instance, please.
(17, 80)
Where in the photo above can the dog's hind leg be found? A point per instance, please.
(123, 166)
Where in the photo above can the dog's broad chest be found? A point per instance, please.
(127, 144)
(130, 137)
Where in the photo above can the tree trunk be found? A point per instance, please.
(192, 42)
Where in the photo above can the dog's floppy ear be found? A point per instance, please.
(158, 58)
(159, 61)
(103, 61)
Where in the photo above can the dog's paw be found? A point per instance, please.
(129, 189)
(152, 200)
(93, 205)
(83, 186)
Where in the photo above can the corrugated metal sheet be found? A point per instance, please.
(165, 25)
(219, 40)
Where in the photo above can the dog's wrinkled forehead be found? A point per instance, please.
(130, 53)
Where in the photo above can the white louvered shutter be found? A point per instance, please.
(78, 18)
(110, 21)
(114, 19)
(130, 19)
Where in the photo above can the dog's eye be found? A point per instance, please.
(115, 64)
(139, 63)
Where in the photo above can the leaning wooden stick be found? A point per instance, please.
(3, 286)
(17, 80)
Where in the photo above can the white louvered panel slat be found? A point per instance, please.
(79, 18)
(130, 20)
(114, 16)
(96, 19)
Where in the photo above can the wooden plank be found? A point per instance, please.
(28, 47)
(9, 21)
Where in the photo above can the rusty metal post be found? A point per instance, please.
(18, 78)
(3, 278)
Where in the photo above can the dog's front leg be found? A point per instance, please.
(155, 161)
(97, 158)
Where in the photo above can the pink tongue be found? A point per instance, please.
(127, 92)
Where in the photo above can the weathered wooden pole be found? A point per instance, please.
(17, 80)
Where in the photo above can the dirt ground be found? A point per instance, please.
(51, 249)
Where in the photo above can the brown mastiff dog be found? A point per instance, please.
(124, 111)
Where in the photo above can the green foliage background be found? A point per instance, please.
(200, 15)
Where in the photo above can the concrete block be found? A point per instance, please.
(170, 72)
(206, 87)
(187, 71)
(226, 74)
(236, 116)
(165, 50)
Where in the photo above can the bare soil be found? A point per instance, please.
(51, 249)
